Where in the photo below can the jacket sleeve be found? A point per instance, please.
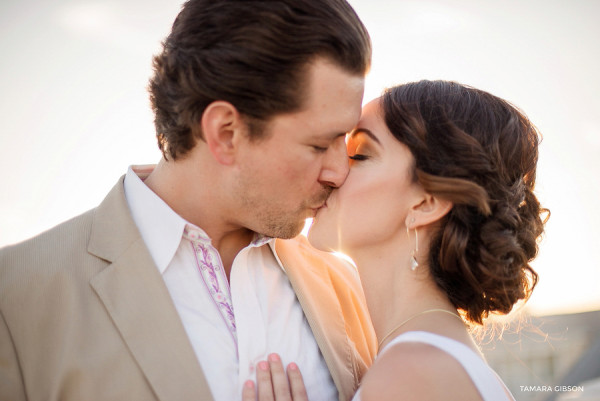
(11, 380)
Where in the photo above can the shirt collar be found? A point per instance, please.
(260, 240)
(160, 227)
(196, 234)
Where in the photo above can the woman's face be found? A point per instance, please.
(371, 207)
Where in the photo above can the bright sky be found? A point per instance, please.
(75, 111)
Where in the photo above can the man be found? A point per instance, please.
(174, 288)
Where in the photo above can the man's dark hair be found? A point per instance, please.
(253, 54)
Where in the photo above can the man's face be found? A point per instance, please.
(286, 177)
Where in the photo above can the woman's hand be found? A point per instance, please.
(274, 384)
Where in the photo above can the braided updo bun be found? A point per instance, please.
(479, 152)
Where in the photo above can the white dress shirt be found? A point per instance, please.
(267, 316)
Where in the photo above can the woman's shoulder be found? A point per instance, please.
(418, 371)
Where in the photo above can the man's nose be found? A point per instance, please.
(335, 165)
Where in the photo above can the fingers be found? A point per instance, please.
(274, 383)
(263, 382)
(296, 383)
(281, 387)
(248, 392)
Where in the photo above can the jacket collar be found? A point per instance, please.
(139, 304)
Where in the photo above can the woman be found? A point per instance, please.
(439, 215)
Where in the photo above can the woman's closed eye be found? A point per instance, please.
(359, 148)
(358, 157)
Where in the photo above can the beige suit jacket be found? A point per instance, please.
(85, 315)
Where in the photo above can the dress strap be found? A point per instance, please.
(487, 382)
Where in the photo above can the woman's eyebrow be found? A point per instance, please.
(359, 130)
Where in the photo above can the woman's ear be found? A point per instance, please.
(221, 123)
(430, 210)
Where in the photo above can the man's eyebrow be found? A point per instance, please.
(359, 130)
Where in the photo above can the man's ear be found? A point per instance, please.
(220, 123)
(430, 210)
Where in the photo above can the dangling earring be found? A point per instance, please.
(413, 259)
(413, 256)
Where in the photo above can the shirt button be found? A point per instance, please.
(251, 368)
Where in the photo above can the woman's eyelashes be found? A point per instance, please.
(360, 152)
(358, 157)
(359, 148)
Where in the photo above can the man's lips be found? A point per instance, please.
(322, 206)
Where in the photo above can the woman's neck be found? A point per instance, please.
(394, 292)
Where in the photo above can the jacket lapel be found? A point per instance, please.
(325, 301)
(140, 306)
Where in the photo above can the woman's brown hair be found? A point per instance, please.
(480, 152)
(253, 54)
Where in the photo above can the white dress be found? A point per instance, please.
(490, 386)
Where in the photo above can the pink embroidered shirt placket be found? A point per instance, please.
(213, 275)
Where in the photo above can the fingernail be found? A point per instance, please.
(293, 366)
(274, 358)
(263, 365)
(249, 384)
